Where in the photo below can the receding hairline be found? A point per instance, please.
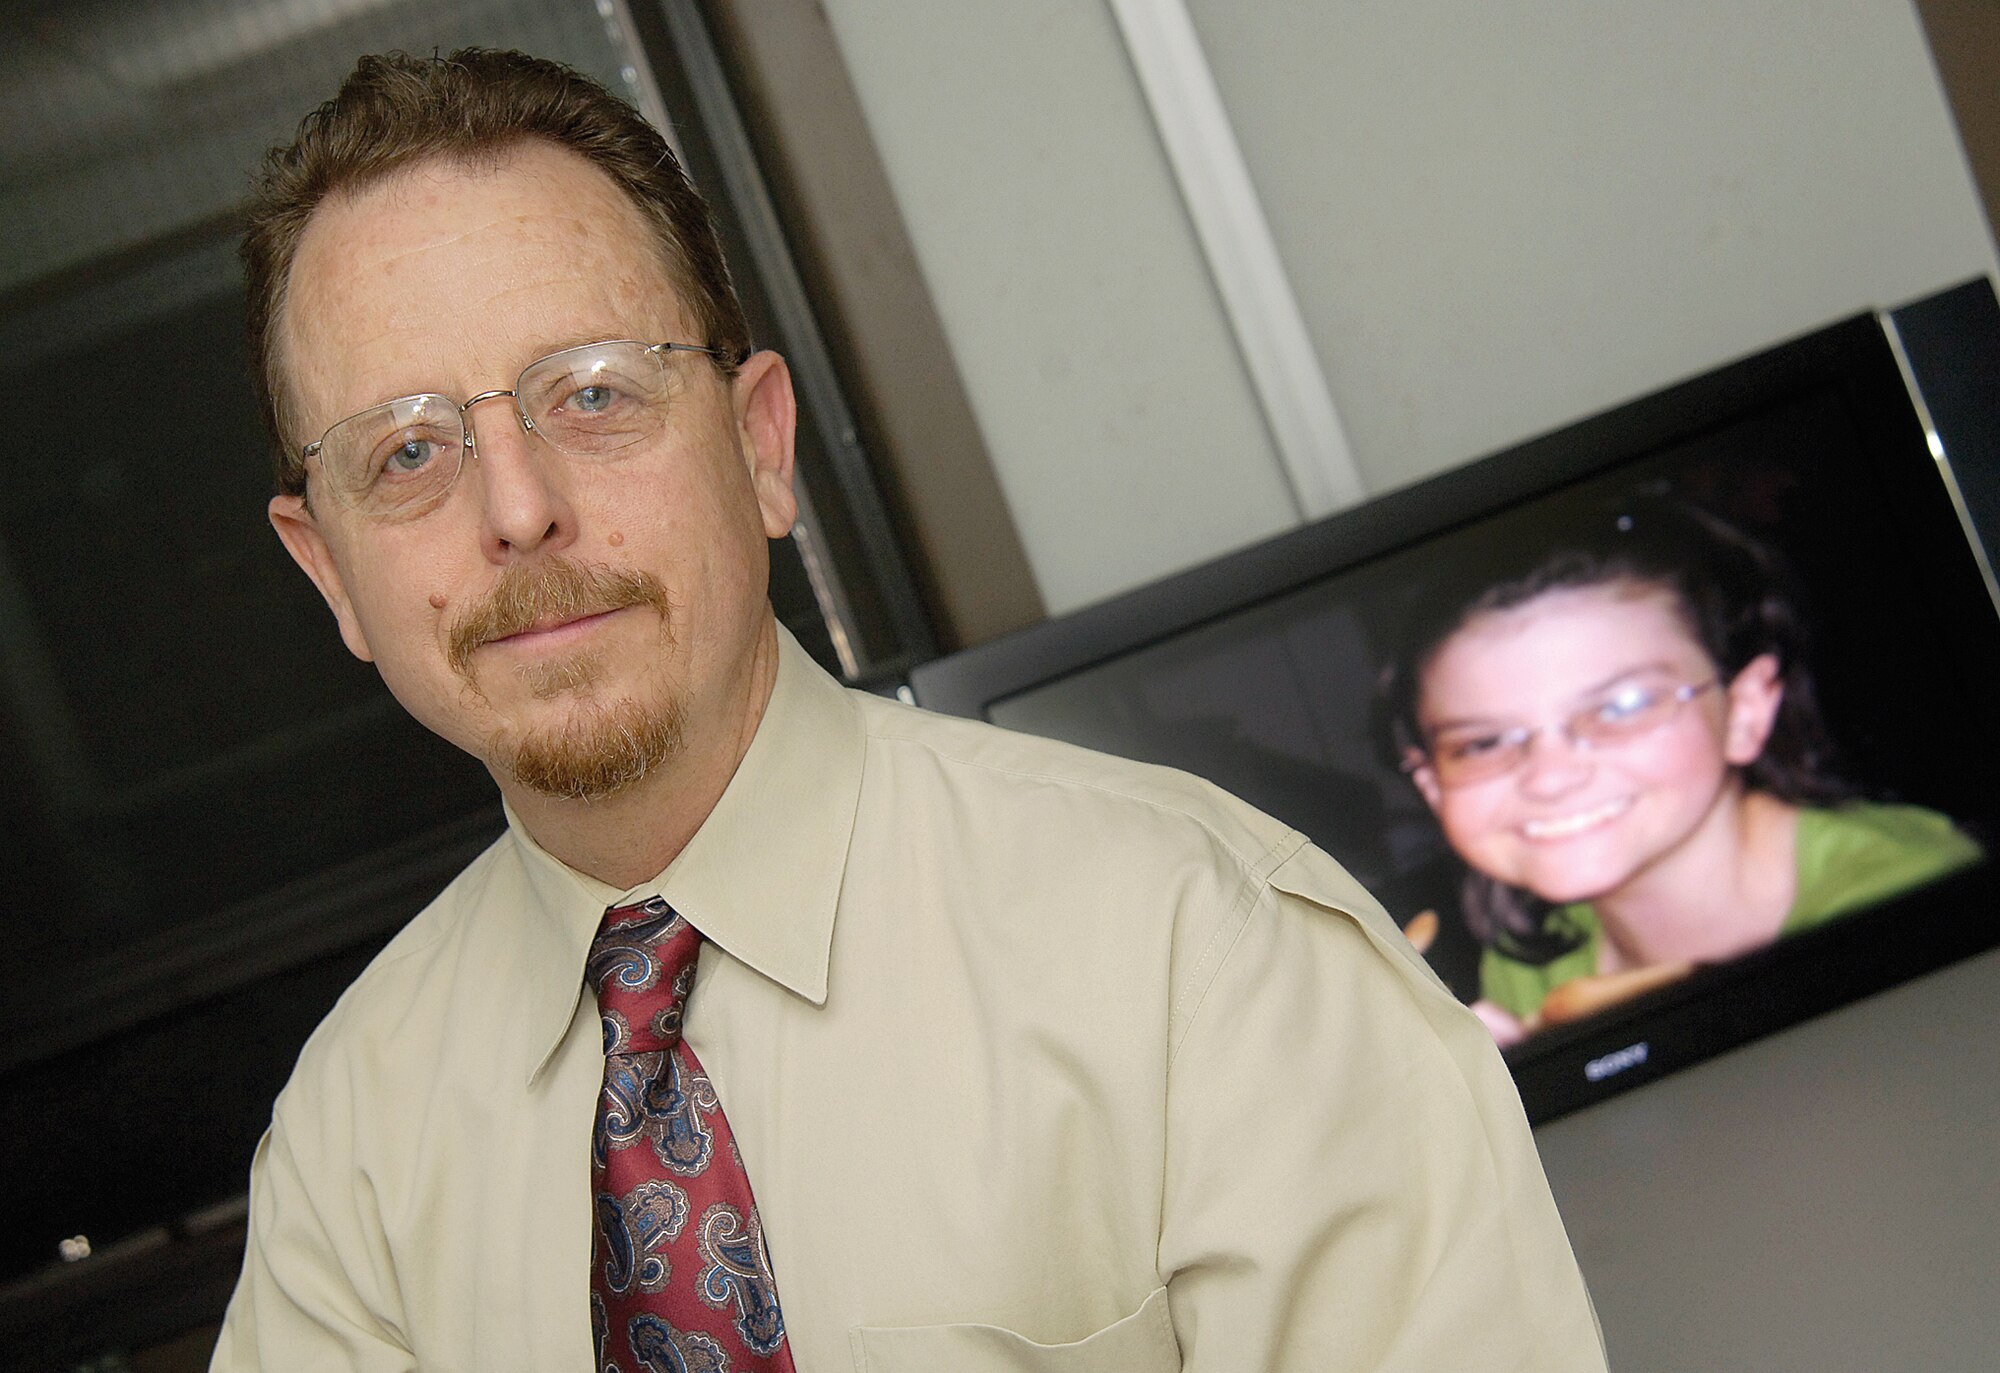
(486, 158)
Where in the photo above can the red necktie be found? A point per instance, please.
(679, 1276)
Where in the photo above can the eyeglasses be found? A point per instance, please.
(397, 460)
(1461, 757)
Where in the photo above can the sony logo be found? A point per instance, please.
(1617, 1061)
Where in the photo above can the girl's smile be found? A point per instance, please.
(1577, 748)
(1568, 826)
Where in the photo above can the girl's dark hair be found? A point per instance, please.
(1738, 600)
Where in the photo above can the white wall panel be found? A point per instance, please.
(1500, 218)
(1099, 363)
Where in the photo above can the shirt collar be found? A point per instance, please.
(761, 877)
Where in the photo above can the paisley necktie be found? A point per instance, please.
(680, 1279)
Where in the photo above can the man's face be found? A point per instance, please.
(572, 621)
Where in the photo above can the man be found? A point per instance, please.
(1032, 1059)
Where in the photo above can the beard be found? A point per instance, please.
(603, 747)
(600, 751)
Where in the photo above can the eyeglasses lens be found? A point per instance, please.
(1461, 759)
(400, 458)
(396, 457)
(596, 399)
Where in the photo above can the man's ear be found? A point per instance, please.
(1754, 696)
(301, 536)
(767, 417)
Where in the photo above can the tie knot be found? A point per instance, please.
(641, 965)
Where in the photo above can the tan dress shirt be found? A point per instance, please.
(1038, 1060)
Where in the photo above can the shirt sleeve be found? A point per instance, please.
(311, 1295)
(1350, 1181)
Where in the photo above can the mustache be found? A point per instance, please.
(529, 594)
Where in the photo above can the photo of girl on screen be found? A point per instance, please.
(1613, 721)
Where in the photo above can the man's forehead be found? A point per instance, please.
(477, 259)
(439, 224)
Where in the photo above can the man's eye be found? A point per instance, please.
(593, 400)
(408, 456)
(408, 453)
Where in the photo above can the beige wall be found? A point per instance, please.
(887, 344)
(1965, 43)
(1497, 220)
(1077, 304)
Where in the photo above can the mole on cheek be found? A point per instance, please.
(617, 539)
(437, 599)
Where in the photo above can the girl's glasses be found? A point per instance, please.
(1461, 757)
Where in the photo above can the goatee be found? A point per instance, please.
(604, 746)
(600, 752)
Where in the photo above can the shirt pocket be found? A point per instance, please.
(1142, 1342)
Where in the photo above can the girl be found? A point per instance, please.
(1617, 734)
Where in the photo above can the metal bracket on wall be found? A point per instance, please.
(1242, 256)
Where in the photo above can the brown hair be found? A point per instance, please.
(394, 111)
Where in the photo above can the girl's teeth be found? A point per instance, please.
(1573, 824)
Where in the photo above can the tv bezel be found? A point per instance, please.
(1561, 1070)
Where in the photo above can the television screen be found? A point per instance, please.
(1653, 735)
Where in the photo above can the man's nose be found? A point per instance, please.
(523, 482)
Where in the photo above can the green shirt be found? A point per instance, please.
(1847, 859)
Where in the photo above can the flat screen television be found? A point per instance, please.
(1657, 733)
